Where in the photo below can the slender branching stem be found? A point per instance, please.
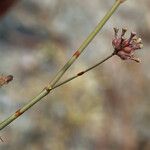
(85, 43)
(60, 73)
(82, 72)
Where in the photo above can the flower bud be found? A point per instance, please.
(124, 47)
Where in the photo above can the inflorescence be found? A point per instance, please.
(124, 47)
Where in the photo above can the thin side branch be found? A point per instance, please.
(82, 72)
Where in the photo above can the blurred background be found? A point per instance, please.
(106, 109)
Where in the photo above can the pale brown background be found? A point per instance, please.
(106, 109)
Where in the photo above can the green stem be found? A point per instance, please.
(85, 43)
(82, 72)
(48, 88)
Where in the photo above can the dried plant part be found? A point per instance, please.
(125, 48)
(1, 139)
(5, 79)
(121, 1)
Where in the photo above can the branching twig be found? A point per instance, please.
(1, 139)
(48, 88)
(82, 72)
(5, 79)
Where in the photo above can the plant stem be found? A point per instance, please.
(85, 43)
(48, 88)
(82, 72)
